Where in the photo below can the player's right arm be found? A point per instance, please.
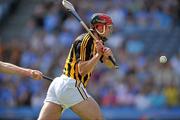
(88, 66)
(85, 67)
(9, 68)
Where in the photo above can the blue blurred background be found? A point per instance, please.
(38, 34)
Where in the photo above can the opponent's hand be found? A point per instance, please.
(107, 52)
(35, 74)
(99, 47)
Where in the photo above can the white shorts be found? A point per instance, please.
(63, 91)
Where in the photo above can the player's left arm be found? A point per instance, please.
(104, 58)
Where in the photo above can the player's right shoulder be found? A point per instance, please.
(80, 37)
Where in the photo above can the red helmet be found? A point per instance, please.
(101, 18)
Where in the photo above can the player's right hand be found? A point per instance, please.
(99, 47)
(107, 52)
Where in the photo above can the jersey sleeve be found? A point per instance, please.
(77, 53)
(84, 48)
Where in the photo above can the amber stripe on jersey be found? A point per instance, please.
(83, 45)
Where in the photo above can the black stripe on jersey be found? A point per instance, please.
(83, 47)
(79, 76)
(70, 60)
(71, 55)
(75, 71)
(88, 49)
(77, 49)
(69, 69)
(85, 78)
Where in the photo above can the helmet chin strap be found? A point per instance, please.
(101, 33)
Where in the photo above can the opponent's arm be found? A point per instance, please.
(13, 69)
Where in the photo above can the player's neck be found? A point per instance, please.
(96, 35)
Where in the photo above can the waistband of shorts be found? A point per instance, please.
(69, 78)
(65, 76)
(77, 83)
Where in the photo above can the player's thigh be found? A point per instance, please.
(88, 110)
(50, 111)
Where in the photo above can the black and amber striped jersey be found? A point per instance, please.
(82, 49)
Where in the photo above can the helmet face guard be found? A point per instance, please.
(103, 20)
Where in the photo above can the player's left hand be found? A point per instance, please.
(35, 74)
(99, 47)
(107, 52)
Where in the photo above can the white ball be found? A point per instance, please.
(163, 59)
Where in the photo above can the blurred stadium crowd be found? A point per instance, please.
(141, 82)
